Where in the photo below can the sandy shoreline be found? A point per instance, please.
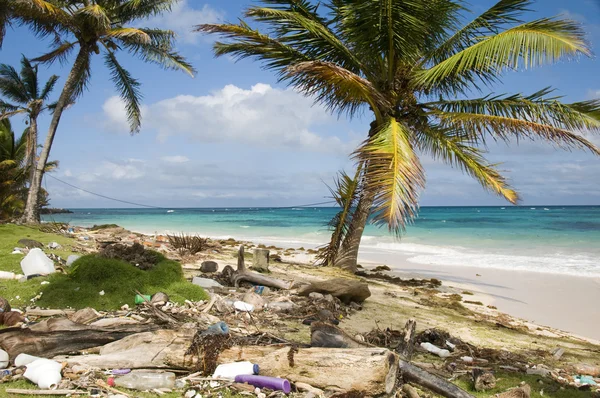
(564, 302)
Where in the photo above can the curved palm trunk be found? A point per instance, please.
(31, 214)
(348, 256)
(32, 142)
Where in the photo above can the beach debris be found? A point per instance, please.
(54, 245)
(244, 307)
(262, 290)
(272, 383)
(260, 260)
(523, 391)
(72, 258)
(483, 380)
(159, 298)
(144, 380)
(30, 243)
(557, 353)
(206, 282)
(396, 280)
(135, 254)
(254, 299)
(347, 290)
(410, 391)
(17, 250)
(540, 370)
(209, 266)
(4, 359)
(583, 379)
(46, 373)
(85, 316)
(37, 263)
(441, 352)
(236, 277)
(11, 318)
(587, 369)
(326, 335)
(232, 369)
(4, 305)
(141, 298)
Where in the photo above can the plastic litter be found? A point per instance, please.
(8, 275)
(120, 372)
(442, 353)
(36, 262)
(145, 380)
(217, 328)
(262, 290)
(140, 300)
(231, 370)
(25, 359)
(71, 259)
(584, 379)
(272, 383)
(4, 358)
(54, 245)
(17, 251)
(44, 372)
(241, 306)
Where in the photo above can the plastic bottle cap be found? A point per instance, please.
(111, 381)
(255, 369)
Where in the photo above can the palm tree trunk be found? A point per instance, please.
(348, 257)
(32, 156)
(31, 214)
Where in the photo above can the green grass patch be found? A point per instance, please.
(103, 226)
(504, 381)
(119, 280)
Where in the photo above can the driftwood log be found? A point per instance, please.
(347, 290)
(61, 336)
(370, 370)
(407, 345)
(414, 374)
(243, 275)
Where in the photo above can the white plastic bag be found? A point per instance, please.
(37, 263)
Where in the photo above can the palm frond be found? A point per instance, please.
(345, 192)
(490, 22)
(94, 15)
(48, 87)
(456, 149)
(60, 53)
(393, 174)
(335, 87)
(129, 90)
(528, 45)
(140, 35)
(29, 78)
(11, 85)
(131, 10)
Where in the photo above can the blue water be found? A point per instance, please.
(556, 239)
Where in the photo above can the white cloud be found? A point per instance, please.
(175, 159)
(262, 116)
(183, 18)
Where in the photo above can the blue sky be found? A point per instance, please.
(232, 136)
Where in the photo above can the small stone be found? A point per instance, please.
(209, 266)
(125, 307)
(159, 298)
(30, 243)
(316, 296)
(205, 282)
(190, 394)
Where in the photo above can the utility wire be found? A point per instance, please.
(158, 207)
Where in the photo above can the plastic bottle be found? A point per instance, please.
(231, 370)
(242, 306)
(140, 299)
(442, 353)
(272, 383)
(3, 359)
(44, 372)
(145, 380)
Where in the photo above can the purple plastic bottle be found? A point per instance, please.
(272, 383)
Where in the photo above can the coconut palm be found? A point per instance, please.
(14, 170)
(23, 90)
(414, 69)
(91, 27)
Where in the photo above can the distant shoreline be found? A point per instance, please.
(51, 210)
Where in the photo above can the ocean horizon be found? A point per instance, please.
(539, 238)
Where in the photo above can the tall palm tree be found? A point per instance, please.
(414, 68)
(92, 27)
(23, 89)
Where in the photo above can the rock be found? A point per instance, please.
(54, 245)
(159, 297)
(381, 268)
(520, 392)
(85, 316)
(316, 296)
(483, 380)
(256, 300)
(30, 243)
(260, 261)
(4, 305)
(539, 370)
(72, 258)
(586, 369)
(347, 290)
(209, 266)
(205, 282)
(37, 263)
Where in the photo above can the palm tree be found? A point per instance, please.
(14, 170)
(93, 27)
(413, 66)
(24, 90)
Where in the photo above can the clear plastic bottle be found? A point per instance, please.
(146, 380)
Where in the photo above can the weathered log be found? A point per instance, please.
(412, 373)
(243, 275)
(372, 370)
(326, 335)
(410, 391)
(407, 345)
(347, 290)
(61, 336)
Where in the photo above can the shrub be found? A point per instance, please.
(190, 243)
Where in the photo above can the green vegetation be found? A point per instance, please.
(405, 64)
(103, 226)
(540, 387)
(88, 276)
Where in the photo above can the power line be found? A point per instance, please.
(158, 207)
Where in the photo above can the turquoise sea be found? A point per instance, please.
(554, 239)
